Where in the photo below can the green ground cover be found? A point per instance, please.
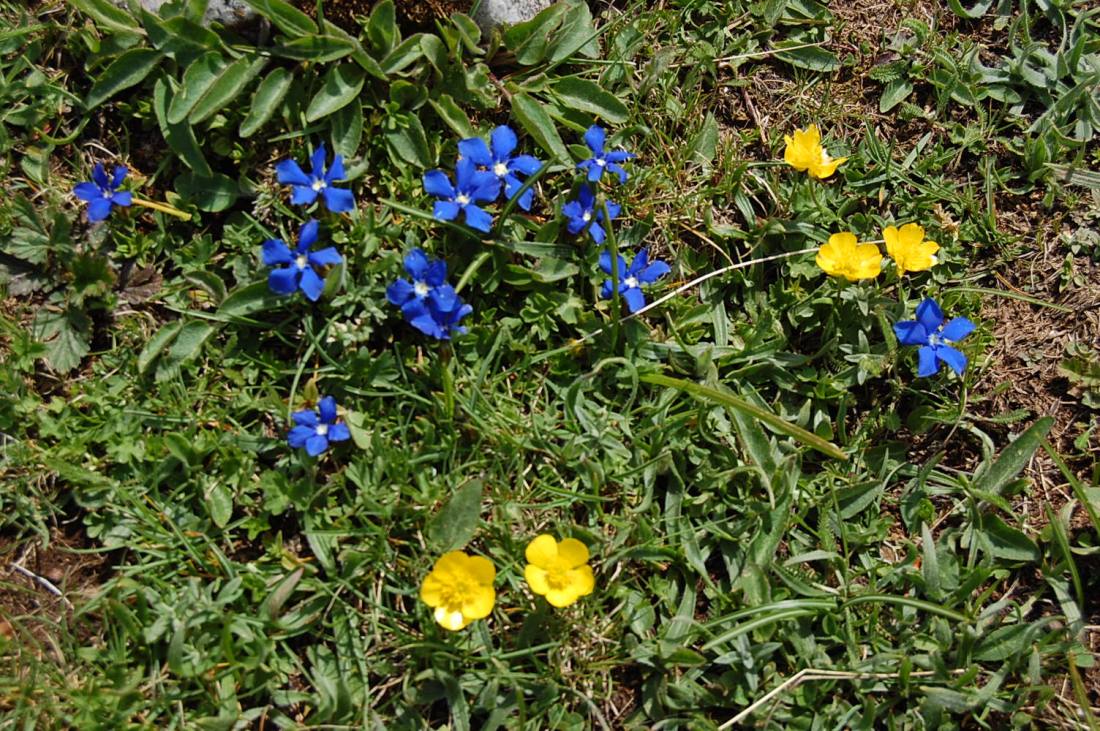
(786, 526)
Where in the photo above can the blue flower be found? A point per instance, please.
(600, 160)
(581, 213)
(315, 429)
(306, 187)
(472, 186)
(438, 316)
(428, 277)
(934, 338)
(103, 193)
(641, 271)
(300, 272)
(498, 160)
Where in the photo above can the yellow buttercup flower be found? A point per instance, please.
(460, 589)
(804, 152)
(559, 571)
(907, 247)
(844, 257)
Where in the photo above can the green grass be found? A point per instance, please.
(744, 573)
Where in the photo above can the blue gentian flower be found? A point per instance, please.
(315, 429)
(300, 272)
(428, 277)
(103, 193)
(497, 159)
(472, 186)
(438, 315)
(934, 338)
(319, 181)
(582, 213)
(601, 160)
(641, 271)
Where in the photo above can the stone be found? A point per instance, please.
(492, 14)
(230, 13)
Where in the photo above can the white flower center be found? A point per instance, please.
(935, 340)
(500, 170)
(318, 185)
(301, 261)
(631, 282)
(322, 430)
(421, 289)
(600, 161)
(462, 199)
(587, 216)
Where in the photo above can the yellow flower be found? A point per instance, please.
(559, 571)
(843, 257)
(804, 152)
(908, 248)
(460, 588)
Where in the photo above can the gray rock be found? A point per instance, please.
(495, 13)
(230, 13)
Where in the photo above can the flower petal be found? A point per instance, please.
(957, 329)
(288, 172)
(339, 433)
(597, 233)
(306, 417)
(400, 292)
(453, 621)
(478, 604)
(276, 252)
(911, 332)
(952, 357)
(311, 284)
(99, 176)
(930, 315)
(926, 361)
(618, 156)
(536, 579)
(653, 272)
(118, 177)
(416, 264)
(542, 551)
(446, 210)
(87, 191)
(525, 164)
(338, 200)
(484, 187)
(573, 552)
(640, 261)
(481, 570)
(476, 151)
(122, 198)
(433, 589)
(283, 281)
(299, 435)
(582, 580)
(336, 170)
(478, 219)
(326, 257)
(307, 235)
(425, 323)
(562, 597)
(327, 408)
(99, 209)
(302, 195)
(317, 162)
(595, 137)
(635, 299)
(316, 444)
(436, 273)
(438, 184)
(595, 172)
(617, 170)
(504, 142)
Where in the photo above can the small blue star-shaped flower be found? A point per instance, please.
(582, 213)
(497, 158)
(426, 278)
(318, 182)
(102, 193)
(641, 271)
(934, 338)
(601, 160)
(472, 186)
(315, 429)
(438, 316)
(300, 272)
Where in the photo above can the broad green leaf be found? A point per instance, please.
(404, 54)
(975, 11)
(180, 137)
(455, 524)
(453, 116)
(341, 84)
(251, 298)
(219, 502)
(854, 500)
(704, 146)
(265, 102)
(186, 346)
(1013, 458)
(211, 193)
(1004, 642)
(157, 344)
(534, 118)
(409, 143)
(230, 82)
(382, 31)
(285, 16)
(590, 97)
(1072, 175)
(894, 94)
(930, 565)
(107, 15)
(347, 129)
(273, 605)
(1006, 542)
(196, 80)
(577, 35)
(127, 70)
(528, 40)
(316, 48)
(814, 58)
(67, 336)
(725, 398)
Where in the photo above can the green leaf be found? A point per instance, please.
(704, 147)
(360, 434)
(347, 129)
(180, 137)
(1014, 458)
(196, 80)
(67, 335)
(219, 502)
(1003, 643)
(455, 524)
(894, 94)
(534, 118)
(453, 116)
(107, 14)
(230, 82)
(382, 28)
(285, 16)
(127, 70)
(408, 142)
(342, 83)
(590, 97)
(1007, 542)
(273, 605)
(157, 344)
(1072, 175)
(265, 102)
(406, 53)
(211, 193)
(185, 347)
(725, 398)
(577, 35)
(813, 58)
(318, 49)
(251, 298)
(854, 500)
(976, 11)
(528, 40)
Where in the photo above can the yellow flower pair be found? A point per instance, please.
(844, 257)
(460, 587)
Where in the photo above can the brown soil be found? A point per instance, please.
(347, 13)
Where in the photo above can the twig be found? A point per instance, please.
(43, 581)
